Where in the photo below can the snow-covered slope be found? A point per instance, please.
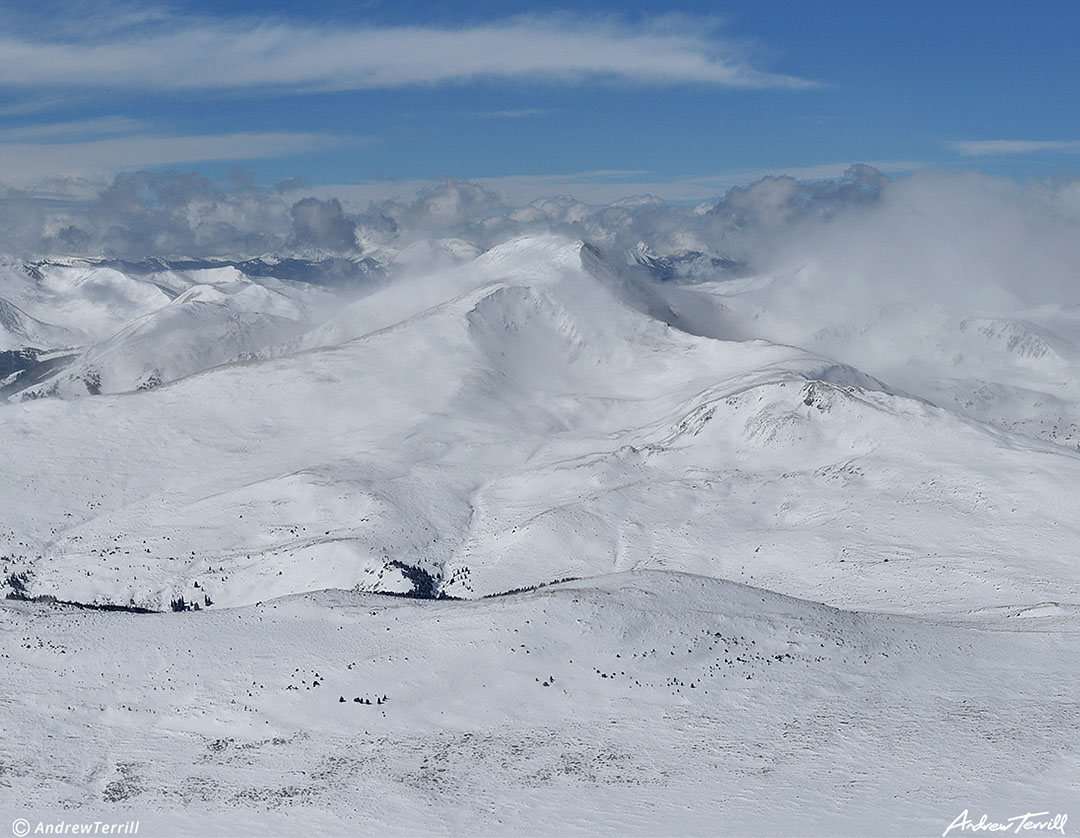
(18, 330)
(204, 326)
(139, 331)
(86, 302)
(638, 704)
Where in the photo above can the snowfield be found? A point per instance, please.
(639, 703)
(687, 562)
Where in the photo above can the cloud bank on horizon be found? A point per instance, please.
(963, 239)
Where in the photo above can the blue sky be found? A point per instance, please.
(678, 99)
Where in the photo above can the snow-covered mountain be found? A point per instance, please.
(787, 523)
(131, 331)
(533, 414)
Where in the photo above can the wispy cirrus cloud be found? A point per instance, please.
(513, 113)
(28, 162)
(52, 131)
(232, 54)
(985, 148)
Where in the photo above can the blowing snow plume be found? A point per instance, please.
(960, 288)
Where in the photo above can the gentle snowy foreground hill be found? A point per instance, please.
(678, 559)
(645, 702)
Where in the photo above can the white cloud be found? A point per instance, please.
(23, 163)
(513, 113)
(601, 187)
(199, 54)
(76, 128)
(32, 106)
(982, 148)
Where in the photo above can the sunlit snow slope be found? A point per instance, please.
(642, 703)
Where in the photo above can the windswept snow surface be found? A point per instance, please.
(814, 597)
(640, 703)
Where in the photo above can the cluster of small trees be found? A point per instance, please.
(181, 604)
(19, 584)
(358, 700)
